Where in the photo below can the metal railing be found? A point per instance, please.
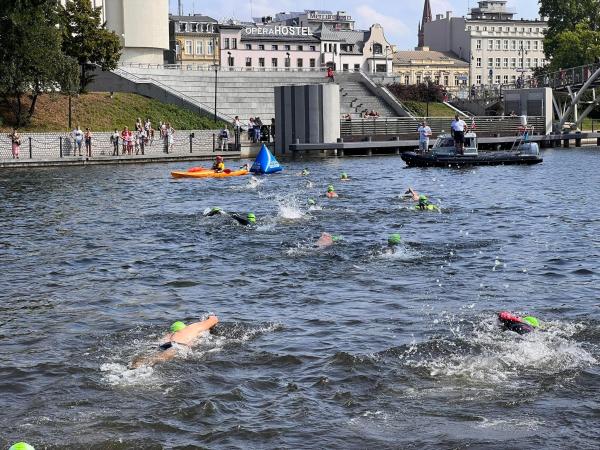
(44, 146)
(406, 127)
(212, 68)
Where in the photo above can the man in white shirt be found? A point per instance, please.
(459, 127)
(424, 134)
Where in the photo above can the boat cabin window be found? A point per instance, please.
(445, 142)
(469, 142)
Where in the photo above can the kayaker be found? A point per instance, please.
(517, 324)
(180, 336)
(219, 165)
(459, 127)
(331, 192)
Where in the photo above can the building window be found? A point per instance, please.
(478, 79)
(377, 49)
(286, 47)
(345, 67)
(528, 45)
(188, 48)
(233, 43)
(505, 44)
(536, 62)
(313, 63)
(287, 62)
(498, 62)
(313, 48)
(513, 45)
(490, 44)
(300, 63)
(536, 45)
(275, 47)
(301, 48)
(406, 79)
(248, 62)
(261, 46)
(248, 46)
(446, 80)
(209, 47)
(261, 62)
(498, 42)
(493, 29)
(183, 27)
(513, 78)
(478, 62)
(273, 62)
(226, 43)
(528, 62)
(230, 61)
(199, 47)
(513, 62)
(418, 79)
(505, 63)
(478, 44)
(437, 79)
(490, 62)
(497, 79)
(194, 27)
(505, 79)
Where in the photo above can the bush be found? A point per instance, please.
(424, 92)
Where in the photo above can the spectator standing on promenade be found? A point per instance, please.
(15, 140)
(273, 129)
(138, 123)
(114, 140)
(170, 137)
(224, 136)
(88, 142)
(251, 129)
(424, 134)
(257, 127)
(141, 140)
(330, 74)
(237, 125)
(77, 135)
(126, 139)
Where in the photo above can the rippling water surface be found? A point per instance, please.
(343, 347)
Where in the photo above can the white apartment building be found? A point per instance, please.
(499, 48)
(142, 26)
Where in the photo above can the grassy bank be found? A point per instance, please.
(100, 112)
(435, 109)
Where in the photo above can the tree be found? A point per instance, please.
(86, 39)
(31, 55)
(576, 47)
(565, 16)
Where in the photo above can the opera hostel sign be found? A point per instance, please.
(279, 31)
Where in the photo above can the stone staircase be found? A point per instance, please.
(356, 99)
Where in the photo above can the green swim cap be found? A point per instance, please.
(336, 238)
(330, 188)
(177, 326)
(215, 209)
(311, 201)
(21, 446)
(422, 198)
(344, 175)
(531, 321)
(394, 239)
(251, 218)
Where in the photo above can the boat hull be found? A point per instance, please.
(413, 159)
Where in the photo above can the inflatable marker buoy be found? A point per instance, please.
(265, 162)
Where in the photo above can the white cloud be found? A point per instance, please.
(367, 16)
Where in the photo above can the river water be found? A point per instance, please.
(343, 347)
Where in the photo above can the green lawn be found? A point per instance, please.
(100, 112)
(435, 109)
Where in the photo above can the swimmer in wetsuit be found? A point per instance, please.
(517, 324)
(331, 192)
(180, 335)
(327, 240)
(393, 241)
(250, 218)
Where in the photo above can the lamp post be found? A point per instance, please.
(216, 73)
(522, 53)
(287, 57)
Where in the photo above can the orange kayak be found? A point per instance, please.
(209, 174)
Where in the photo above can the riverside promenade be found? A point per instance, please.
(58, 149)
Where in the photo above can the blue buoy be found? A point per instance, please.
(265, 162)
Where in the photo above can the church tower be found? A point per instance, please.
(426, 19)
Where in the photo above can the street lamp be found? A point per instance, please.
(522, 53)
(214, 48)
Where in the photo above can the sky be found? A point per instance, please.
(399, 19)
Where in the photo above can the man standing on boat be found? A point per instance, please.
(459, 127)
(424, 134)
